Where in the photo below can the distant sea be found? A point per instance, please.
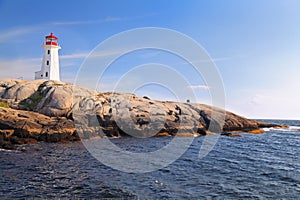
(264, 166)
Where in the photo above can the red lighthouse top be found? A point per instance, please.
(51, 40)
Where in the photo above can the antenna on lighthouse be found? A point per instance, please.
(50, 63)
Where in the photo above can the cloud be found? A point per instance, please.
(98, 21)
(74, 56)
(12, 33)
(205, 60)
(92, 54)
(19, 68)
(273, 103)
(25, 67)
(198, 87)
(149, 54)
(217, 59)
(213, 60)
(78, 22)
(15, 32)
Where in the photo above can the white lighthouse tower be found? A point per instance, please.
(50, 64)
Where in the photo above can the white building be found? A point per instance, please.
(50, 64)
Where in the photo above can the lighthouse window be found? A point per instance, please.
(47, 62)
(48, 51)
(46, 74)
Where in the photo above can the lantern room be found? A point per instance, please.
(51, 40)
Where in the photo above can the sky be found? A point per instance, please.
(255, 45)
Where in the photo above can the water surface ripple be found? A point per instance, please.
(249, 167)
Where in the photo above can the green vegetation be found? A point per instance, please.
(58, 84)
(32, 101)
(4, 105)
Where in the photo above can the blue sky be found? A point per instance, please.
(255, 44)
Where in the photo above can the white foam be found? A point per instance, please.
(288, 129)
(8, 150)
(294, 128)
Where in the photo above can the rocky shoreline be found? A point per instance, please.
(52, 111)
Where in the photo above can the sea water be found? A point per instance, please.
(248, 167)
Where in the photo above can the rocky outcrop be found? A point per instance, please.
(19, 127)
(17, 90)
(58, 111)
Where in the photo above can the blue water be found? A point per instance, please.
(249, 167)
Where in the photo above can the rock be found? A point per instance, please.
(47, 110)
(162, 134)
(232, 134)
(21, 127)
(18, 90)
(267, 125)
(56, 102)
(256, 131)
(7, 133)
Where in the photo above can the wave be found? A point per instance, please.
(8, 150)
(288, 129)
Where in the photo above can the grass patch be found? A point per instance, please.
(32, 101)
(4, 105)
(58, 84)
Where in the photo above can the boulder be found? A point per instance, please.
(18, 90)
(19, 127)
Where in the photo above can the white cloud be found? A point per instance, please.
(78, 22)
(97, 21)
(150, 54)
(19, 68)
(205, 60)
(8, 35)
(15, 32)
(216, 59)
(25, 67)
(279, 103)
(198, 87)
(92, 54)
(74, 56)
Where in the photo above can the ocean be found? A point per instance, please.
(262, 166)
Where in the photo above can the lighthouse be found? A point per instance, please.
(50, 63)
